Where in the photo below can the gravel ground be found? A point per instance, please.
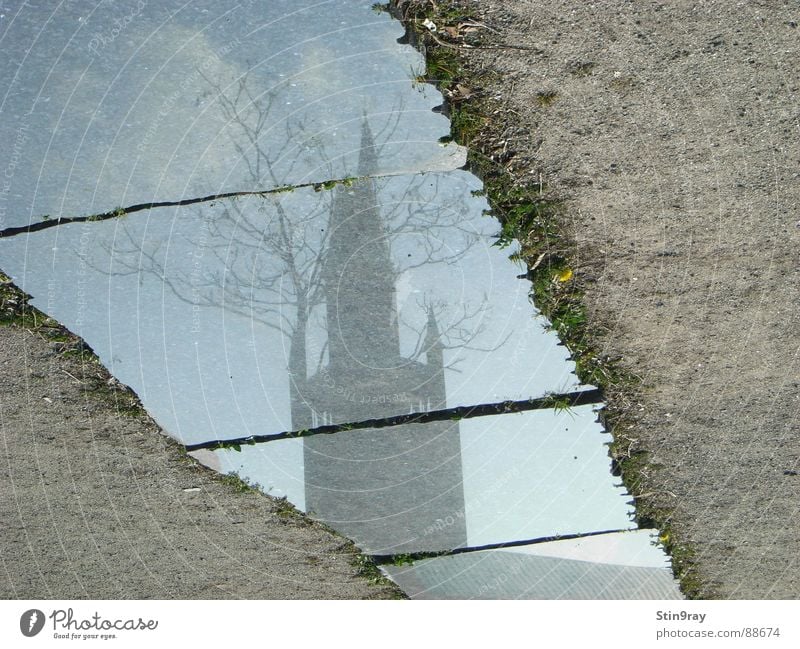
(671, 130)
(96, 502)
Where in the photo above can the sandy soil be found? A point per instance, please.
(99, 504)
(671, 129)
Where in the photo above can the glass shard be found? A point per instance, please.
(450, 484)
(112, 104)
(259, 315)
(546, 571)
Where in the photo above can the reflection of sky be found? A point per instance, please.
(632, 548)
(539, 474)
(167, 108)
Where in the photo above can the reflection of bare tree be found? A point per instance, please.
(264, 147)
(269, 262)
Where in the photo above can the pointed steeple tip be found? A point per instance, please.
(433, 337)
(434, 356)
(368, 156)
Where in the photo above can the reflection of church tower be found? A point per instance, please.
(357, 264)
(384, 486)
(365, 377)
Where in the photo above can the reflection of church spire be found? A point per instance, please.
(364, 364)
(358, 275)
(368, 156)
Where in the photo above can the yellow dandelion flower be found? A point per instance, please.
(564, 275)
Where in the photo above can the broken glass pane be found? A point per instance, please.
(257, 315)
(624, 565)
(424, 487)
(113, 104)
